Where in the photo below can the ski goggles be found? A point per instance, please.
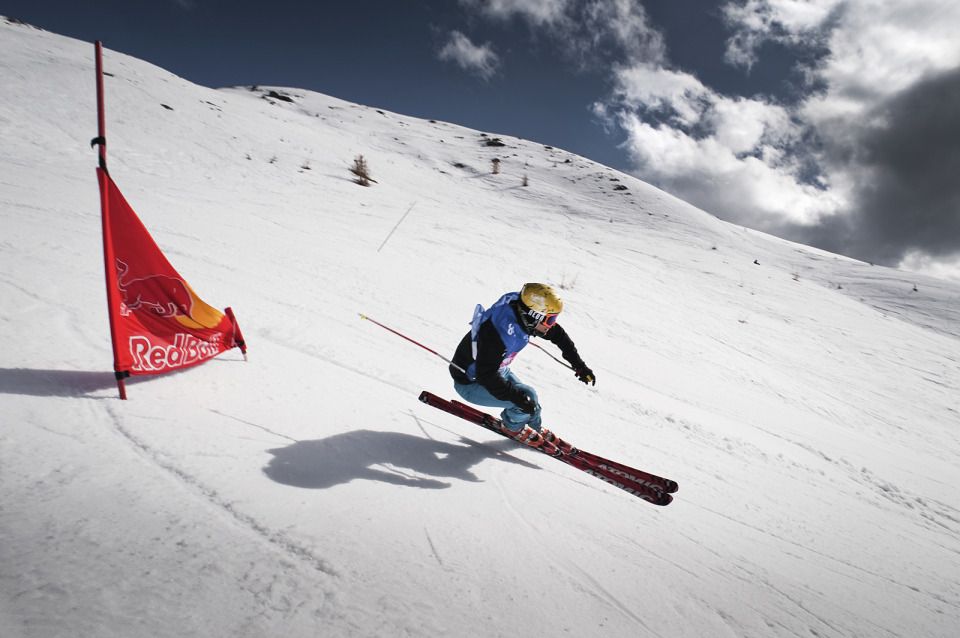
(546, 319)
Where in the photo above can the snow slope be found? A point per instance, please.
(807, 403)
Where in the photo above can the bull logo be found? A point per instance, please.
(164, 296)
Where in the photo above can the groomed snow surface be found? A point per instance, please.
(806, 403)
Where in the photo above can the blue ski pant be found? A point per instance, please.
(512, 416)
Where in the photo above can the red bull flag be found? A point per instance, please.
(157, 322)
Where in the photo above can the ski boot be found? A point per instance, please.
(560, 444)
(530, 437)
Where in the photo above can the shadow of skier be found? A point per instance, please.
(391, 457)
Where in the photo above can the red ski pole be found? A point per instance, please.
(551, 356)
(434, 352)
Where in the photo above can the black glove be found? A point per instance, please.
(525, 402)
(586, 375)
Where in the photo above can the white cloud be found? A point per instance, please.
(828, 167)
(469, 56)
(586, 29)
(724, 154)
(755, 162)
(744, 125)
(659, 89)
(874, 48)
(760, 190)
(796, 22)
(920, 262)
(625, 25)
(877, 49)
(538, 12)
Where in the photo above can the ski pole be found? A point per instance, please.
(563, 363)
(434, 352)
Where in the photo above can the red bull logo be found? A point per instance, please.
(162, 295)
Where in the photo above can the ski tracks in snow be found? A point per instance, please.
(579, 577)
(193, 484)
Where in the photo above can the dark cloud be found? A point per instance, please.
(838, 234)
(907, 159)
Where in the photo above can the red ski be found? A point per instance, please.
(649, 487)
(625, 471)
(667, 485)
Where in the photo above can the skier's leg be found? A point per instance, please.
(514, 421)
(478, 395)
(513, 416)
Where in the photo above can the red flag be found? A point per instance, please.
(157, 322)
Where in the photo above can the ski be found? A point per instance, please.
(653, 489)
(625, 471)
(667, 485)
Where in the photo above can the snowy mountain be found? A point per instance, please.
(806, 403)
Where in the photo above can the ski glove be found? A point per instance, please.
(525, 402)
(586, 375)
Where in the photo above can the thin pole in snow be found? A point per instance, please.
(390, 234)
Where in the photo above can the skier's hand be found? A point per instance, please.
(586, 375)
(526, 403)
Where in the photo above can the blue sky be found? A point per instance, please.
(830, 122)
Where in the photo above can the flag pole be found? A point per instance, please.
(108, 262)
(101, 138)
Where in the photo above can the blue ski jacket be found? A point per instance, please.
(495, 338)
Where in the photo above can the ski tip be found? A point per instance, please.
(662, 500)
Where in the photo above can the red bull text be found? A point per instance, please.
(185, 350)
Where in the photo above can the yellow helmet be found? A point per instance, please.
(540, 306)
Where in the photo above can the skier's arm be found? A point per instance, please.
(559, 337)
(562, 340)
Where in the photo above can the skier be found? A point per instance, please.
(481, 364)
